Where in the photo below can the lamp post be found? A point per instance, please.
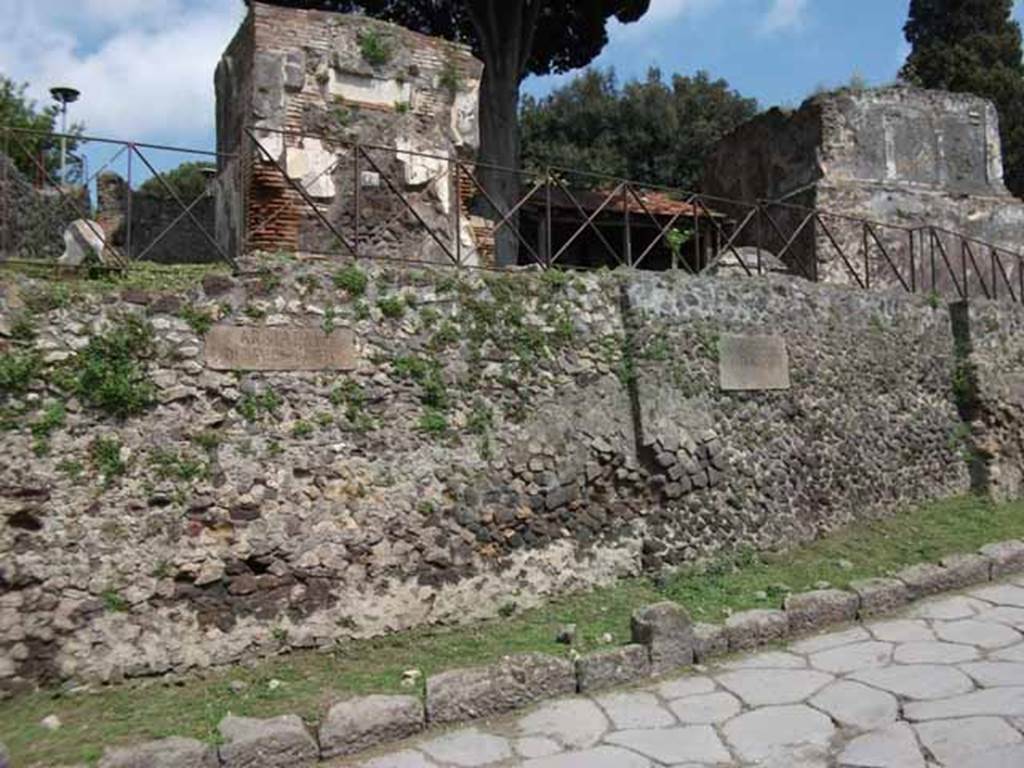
(64, 96)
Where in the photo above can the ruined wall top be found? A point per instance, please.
(348, 77)
(896, 136)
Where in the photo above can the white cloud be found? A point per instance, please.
(783, 16)
(145, 67)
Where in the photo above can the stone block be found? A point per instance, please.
(514, 682)
(966, 570)
(278, 741)
(619, 666)
(926, 579)
(173, 752)
(709, 640)
(665, 628)
(808, 611)
(878, 596)
(1006, 557)
(355, 725)
(749, 629)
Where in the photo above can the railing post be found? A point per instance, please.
(128, 229)
(457, 209)
(963, 267)
(760, 238)
(358, 181)
(913, 266)
(547, 212)
(867, 258)
(627, 243)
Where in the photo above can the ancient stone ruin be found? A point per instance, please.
(316, 85)
(904, 157)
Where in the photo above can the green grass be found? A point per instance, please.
(310, 681)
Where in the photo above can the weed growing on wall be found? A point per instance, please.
(109, 374)
(105, 453)
(392, 307)
(53, 418)
(171, 465)
(433, 422)
(199, 320)
(18, 369)
(352, 396)
(375, 48)
(450, 78)
(253, 406)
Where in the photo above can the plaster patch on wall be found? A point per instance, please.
(311, 165)
(373, 91)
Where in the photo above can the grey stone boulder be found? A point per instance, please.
(465, 694)
(709, 640)
(358, 724)
(618, 666)
(808, 611)
(966, 570)
(271, 743)
(173, 752)
(878, 596)
(749, 629)
(925, 579)
(665, 628)
(1006, 557)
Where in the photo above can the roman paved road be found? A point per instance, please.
(940, 685)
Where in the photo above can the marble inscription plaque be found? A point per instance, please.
(751, 363)
(238, 348)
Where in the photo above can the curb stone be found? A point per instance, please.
(663, 637)
(173, 752)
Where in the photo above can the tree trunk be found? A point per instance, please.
(506, 31)
(499, 147)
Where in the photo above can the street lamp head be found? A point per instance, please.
(64, 95)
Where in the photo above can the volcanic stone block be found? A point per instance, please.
(173, 752)
(278, 741)
(709, 640)
(926, 579)
(619, 666)
(880, 595)
(1006, 557)
(808, 611)
(665, 628)
(749, 629)
(966, 570)
(357, 724)
(514, 682)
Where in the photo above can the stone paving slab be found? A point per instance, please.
(939, 685)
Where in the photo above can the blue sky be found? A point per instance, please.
(145, 67)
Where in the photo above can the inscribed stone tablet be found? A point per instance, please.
(753, 362)
(237, 348)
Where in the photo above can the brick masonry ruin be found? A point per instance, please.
(899, 156)
(313, 84)
(468, 445)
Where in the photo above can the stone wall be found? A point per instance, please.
(160, 232)
(314, 84)
(490, 442)
(903, 157)
(33, 220)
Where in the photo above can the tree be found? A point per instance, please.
(28, 145)
(650, 130)
(189, 180)
(514, 38)
(973, 46)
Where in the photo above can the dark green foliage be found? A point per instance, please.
(200, 320)
(392, 307)
(171, 465)
(352, 280)
(251, 407)
(973, 46)
(109, 374)
(651, 130)
(17, 371)
(26, 150)
(188, 181)
(375, 48)
(53, 418)
(105, 453)
(433, 422)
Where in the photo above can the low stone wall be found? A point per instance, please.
(480, 442)
(33, 220)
